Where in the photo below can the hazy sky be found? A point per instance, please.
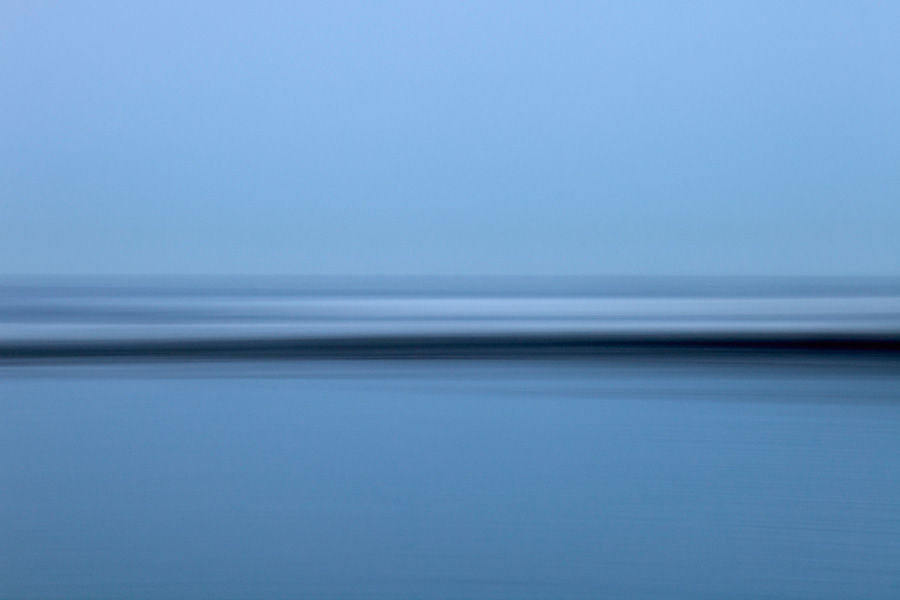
(459, 137)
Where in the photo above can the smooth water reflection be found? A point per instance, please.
(449, 480)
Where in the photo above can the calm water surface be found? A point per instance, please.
(450, 480)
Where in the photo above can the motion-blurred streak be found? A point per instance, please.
(503, 318)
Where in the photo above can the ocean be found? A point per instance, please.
(136, 462)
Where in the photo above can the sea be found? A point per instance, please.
(440, 438)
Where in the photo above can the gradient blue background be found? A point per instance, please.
(428, 137)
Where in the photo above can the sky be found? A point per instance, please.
(567, 138)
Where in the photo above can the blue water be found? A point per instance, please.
(599, 479)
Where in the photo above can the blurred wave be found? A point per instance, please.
(441, 317)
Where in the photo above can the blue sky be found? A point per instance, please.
(461, 137)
